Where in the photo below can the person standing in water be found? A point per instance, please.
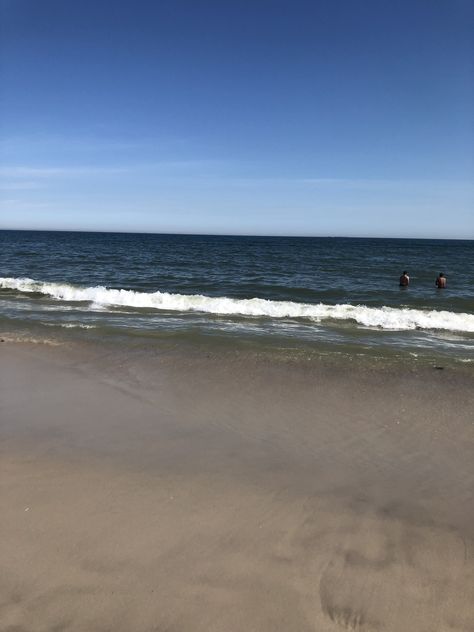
(440, 281)
(404, 279)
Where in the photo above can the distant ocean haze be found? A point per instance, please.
(336, 294)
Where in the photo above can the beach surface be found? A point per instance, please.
(228, 491)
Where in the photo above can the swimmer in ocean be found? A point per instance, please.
(404, 279)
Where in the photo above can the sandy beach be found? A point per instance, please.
(225, 492)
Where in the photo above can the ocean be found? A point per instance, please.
(323, 295)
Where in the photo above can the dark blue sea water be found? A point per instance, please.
(336, 294)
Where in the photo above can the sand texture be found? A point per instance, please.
(231, 493)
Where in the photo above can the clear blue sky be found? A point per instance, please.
(252, 117)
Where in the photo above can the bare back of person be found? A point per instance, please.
(404, 280)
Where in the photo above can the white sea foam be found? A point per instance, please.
(70, 325)
(380, 317)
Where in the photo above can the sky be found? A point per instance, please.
(271, 117)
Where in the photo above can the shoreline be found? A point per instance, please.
(153, 490)
(271, 348)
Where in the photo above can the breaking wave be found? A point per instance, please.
(389, 318)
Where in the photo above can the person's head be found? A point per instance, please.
(405, 272)
(441, 274)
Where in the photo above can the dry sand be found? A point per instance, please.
(225, 493)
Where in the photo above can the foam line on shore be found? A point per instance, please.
(388, 318)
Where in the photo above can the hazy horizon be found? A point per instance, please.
(251, 235)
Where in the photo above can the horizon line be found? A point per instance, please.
(205, 234)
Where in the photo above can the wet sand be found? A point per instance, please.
(229, 492)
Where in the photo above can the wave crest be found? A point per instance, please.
(389, 318)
